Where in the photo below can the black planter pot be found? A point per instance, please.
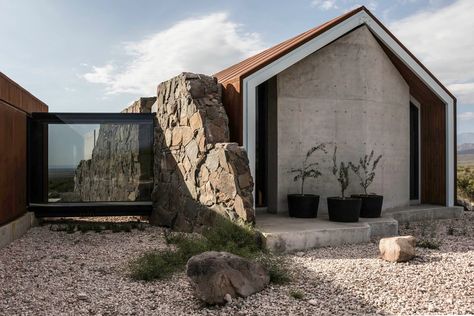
(303, 206)
(371, 205)
(344, 210)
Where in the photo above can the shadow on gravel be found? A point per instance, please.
(85, 225)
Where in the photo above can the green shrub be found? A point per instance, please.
(429, 244)
(222, 236)
(297, 294)
(155, 265)
(277, 268)
(450, 231)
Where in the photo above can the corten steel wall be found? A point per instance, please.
(15, 105)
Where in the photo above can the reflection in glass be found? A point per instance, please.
(93, 163)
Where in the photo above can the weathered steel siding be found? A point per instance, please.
(15, 105)
(232, 100)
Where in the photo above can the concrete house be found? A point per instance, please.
(350, 83)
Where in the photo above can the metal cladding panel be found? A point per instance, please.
(15, 105)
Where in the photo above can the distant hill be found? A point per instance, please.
(466, 148)
(465, 138)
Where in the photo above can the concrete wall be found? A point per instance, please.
(349, 94)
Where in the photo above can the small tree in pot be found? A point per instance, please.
(305, 205)
(365, 171)
(342, 208)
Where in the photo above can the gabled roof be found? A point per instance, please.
(260, 60)
(253, 63)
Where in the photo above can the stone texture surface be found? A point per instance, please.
(217, 275)
(349, 94)
(142, 105)
(121, 165)
(198, 174)
(397, 249)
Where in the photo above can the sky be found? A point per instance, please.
(99, 56)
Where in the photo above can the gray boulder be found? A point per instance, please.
(216, 274)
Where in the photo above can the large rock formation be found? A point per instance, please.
(142, 105)
(197, 172)
(121, 165)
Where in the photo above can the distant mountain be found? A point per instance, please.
(465, 138)
(466, 148)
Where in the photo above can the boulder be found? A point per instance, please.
(213, 275)
(397, 249)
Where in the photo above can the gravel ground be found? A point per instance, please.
(54, 273)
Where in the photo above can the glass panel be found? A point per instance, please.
(99, 162)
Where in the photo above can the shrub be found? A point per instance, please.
(308, 170)
(429, 244)
(297, 294)
(222, 236)
(341, 173)
(365, 171)
(277, 268)
(155, 265)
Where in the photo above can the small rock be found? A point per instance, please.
(300, 254)
(313, 302)
(397, 249)
(82, 296)
(228, 298)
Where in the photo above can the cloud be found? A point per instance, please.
(100, 74)
(466, 116)
(204, 44)
(443, 40)
(464, 91)
(325, 4)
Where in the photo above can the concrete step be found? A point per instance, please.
(424, 213)
(287, 234)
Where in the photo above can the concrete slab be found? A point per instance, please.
(15, 229)
(424, 212)
(287, 234)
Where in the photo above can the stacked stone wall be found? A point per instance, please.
(198, 173)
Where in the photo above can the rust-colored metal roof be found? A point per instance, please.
(252, 64)
(260, 60)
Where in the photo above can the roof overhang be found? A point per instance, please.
(362, 17)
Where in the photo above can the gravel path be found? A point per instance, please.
(54, 273)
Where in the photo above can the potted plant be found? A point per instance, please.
(365, 171)
(342, 208)
(305, 205)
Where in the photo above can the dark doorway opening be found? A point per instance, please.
(414, 153)
(266, 146)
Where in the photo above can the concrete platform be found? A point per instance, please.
(286, 234)
(16, 228)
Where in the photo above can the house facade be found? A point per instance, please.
(348, 83)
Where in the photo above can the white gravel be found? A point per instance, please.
(55, 273)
